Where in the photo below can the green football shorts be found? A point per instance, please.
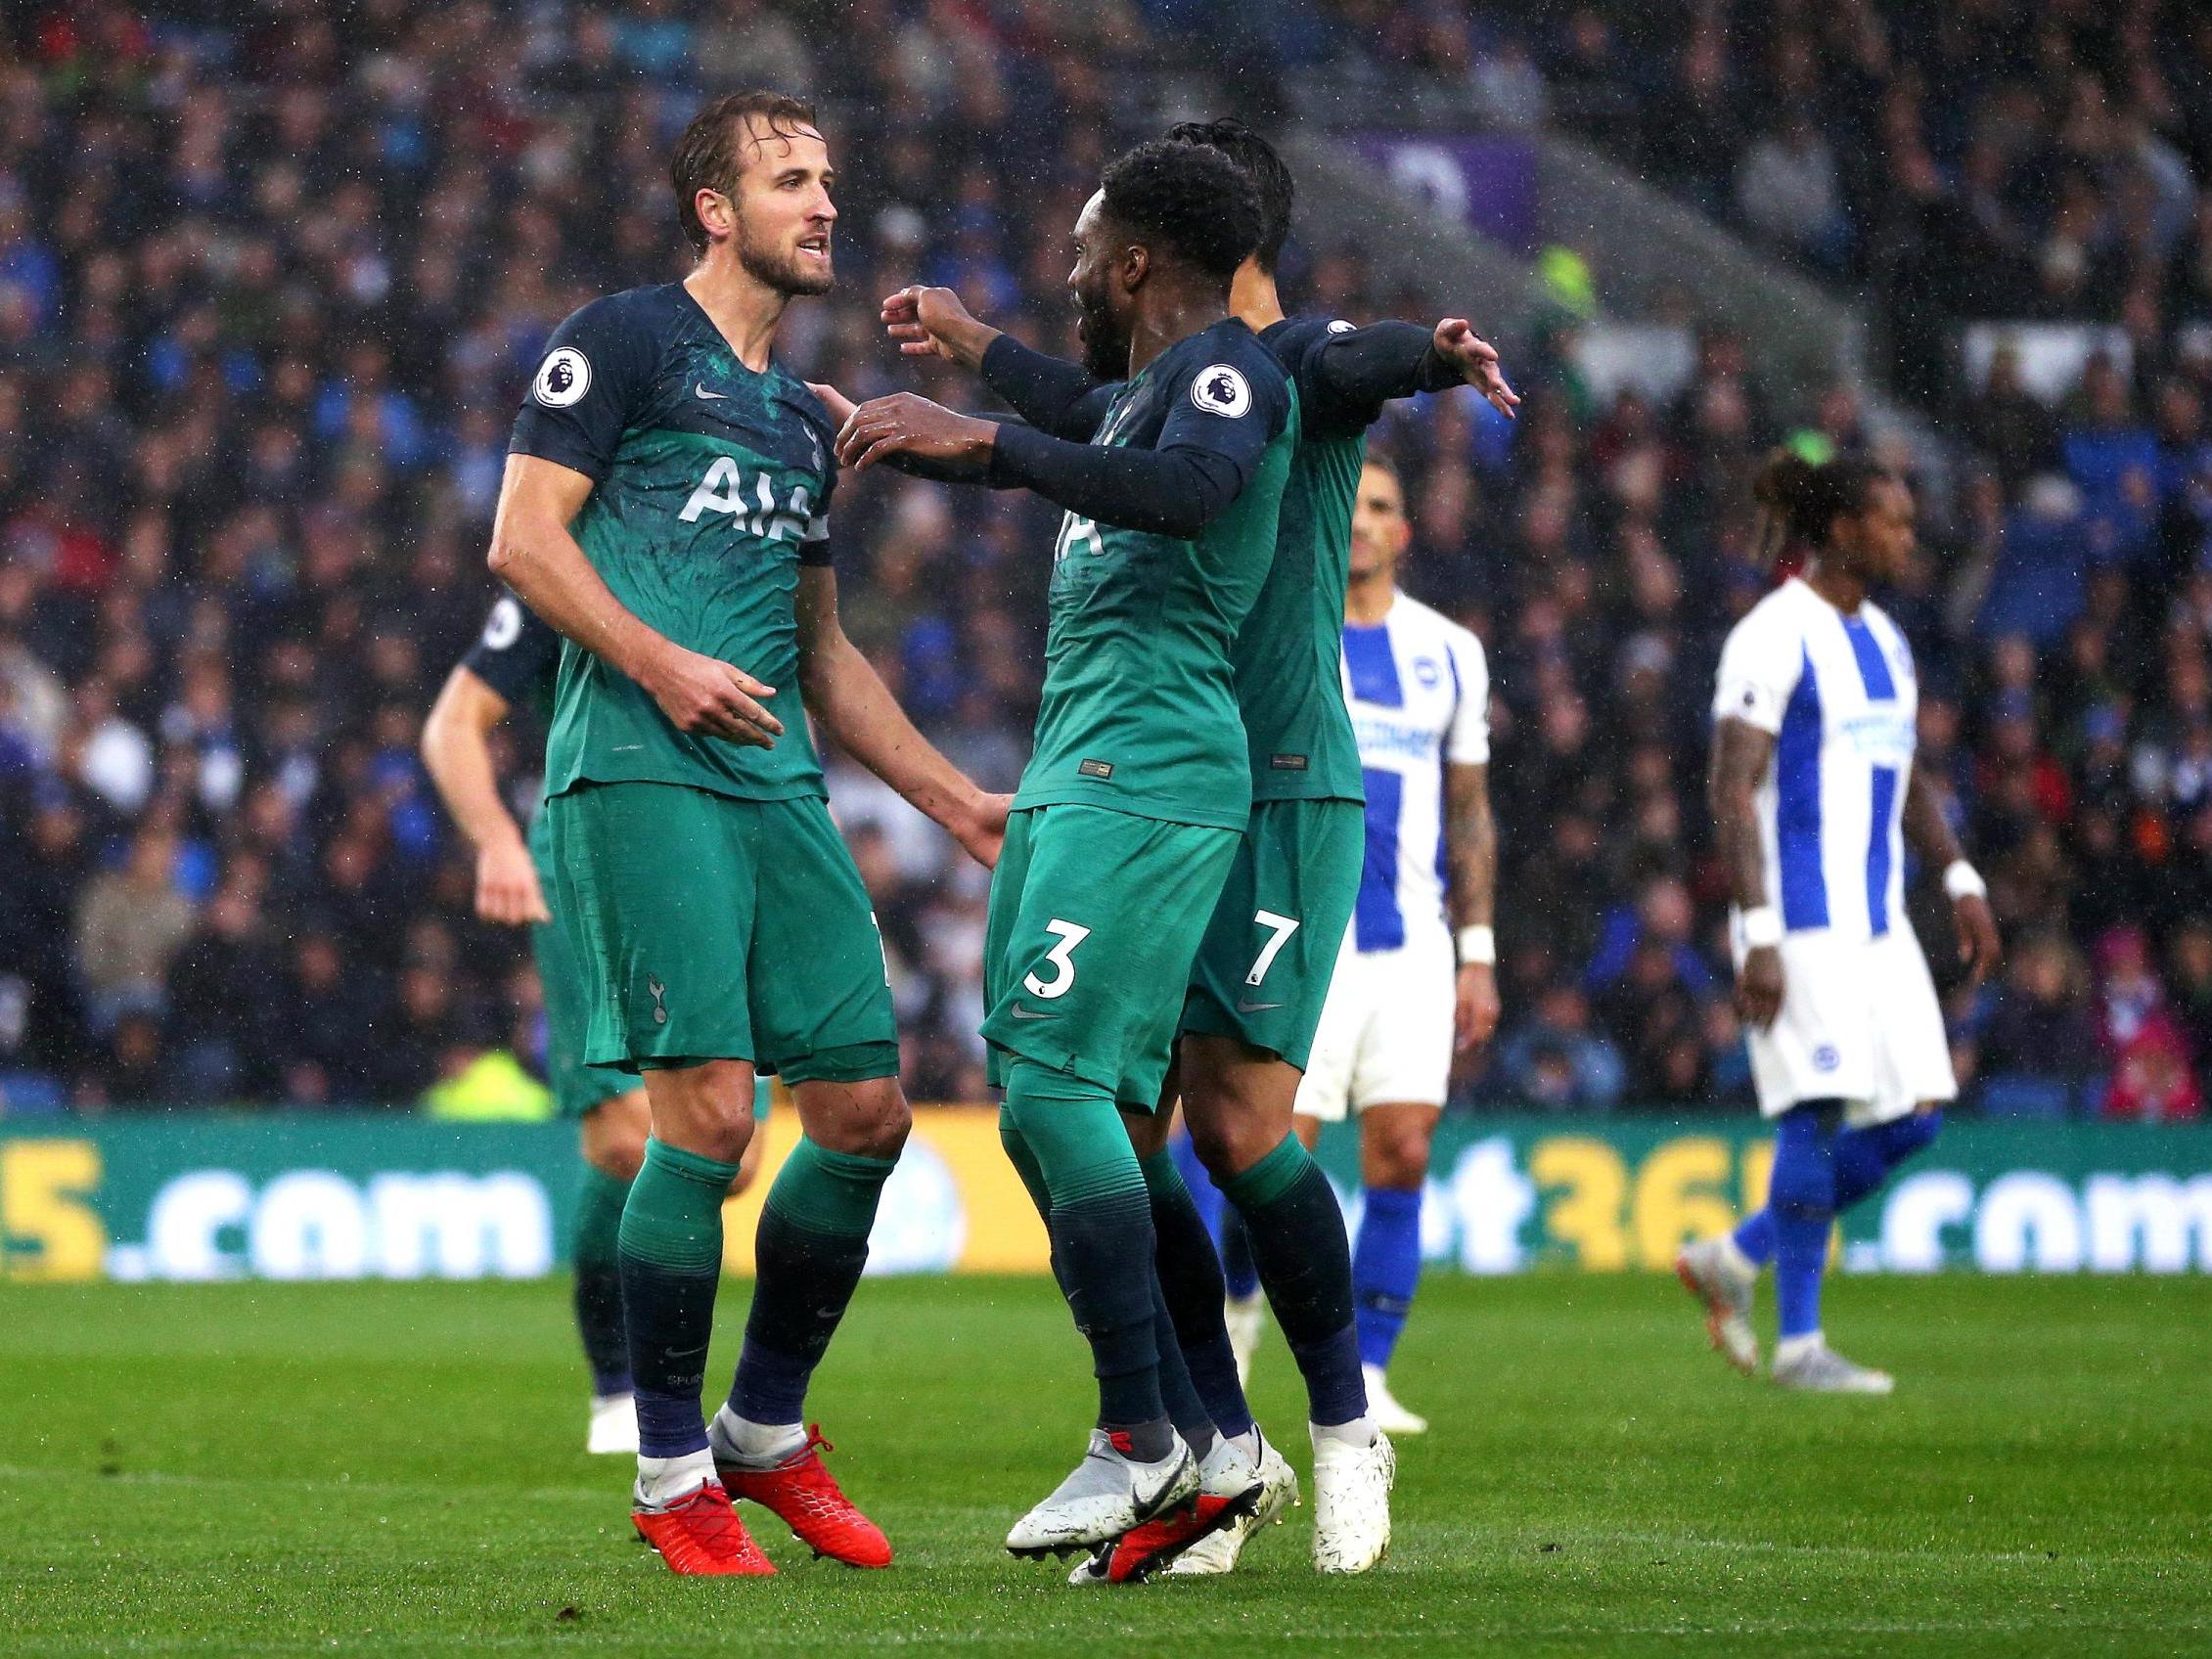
(710, 927)
(576, 1087)
(1096, 916)
(1271, 948)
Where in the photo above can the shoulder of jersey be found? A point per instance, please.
(1231, 369)
(1288, 341)
(1428, 619)
(1781, 607)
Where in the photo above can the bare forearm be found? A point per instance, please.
(845, 694)
(1470, 847)
(1739, 758)
(550, 573)
(459, 762)
(1927, 827)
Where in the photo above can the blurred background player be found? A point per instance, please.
(1134, 806)
(1813, 791)
(514, 663)
(1418, 688)
(1258, 987)
(665, 506)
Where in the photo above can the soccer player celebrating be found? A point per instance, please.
(514, 661)
(1399, 1005)
(664, 509)
(1133, 807)
(1813, 793)
(1259, 982)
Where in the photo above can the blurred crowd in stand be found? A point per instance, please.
(274, 275)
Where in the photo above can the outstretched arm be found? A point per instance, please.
(845, 693)
(1359, 370)
(458, 757)
(1742, 753)
(1930, 834)
(1173, 491)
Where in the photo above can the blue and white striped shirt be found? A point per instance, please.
(1840, 698)
(1418, 692)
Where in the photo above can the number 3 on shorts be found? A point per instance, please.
(1282, 928)
(1061, 957)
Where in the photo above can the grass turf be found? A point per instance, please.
(392, 1469)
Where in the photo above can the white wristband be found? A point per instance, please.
(1962, 881)
(1478, 944)
(1762, 928)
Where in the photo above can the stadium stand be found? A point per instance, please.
(272, 277)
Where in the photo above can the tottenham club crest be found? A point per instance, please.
(562, 378)
(1221, 390)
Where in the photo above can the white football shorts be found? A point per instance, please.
(1860, 1022)
(1385, 1032)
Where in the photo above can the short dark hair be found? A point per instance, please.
(710, 156)
(1803, 499)
(1382, 464)
(1262, 165)
(1192, 201)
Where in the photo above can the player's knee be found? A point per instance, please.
(1398, 1158)
(1232, 1142)
(706, 1109)
(869, 1120)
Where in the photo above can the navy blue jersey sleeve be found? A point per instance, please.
(597, 366)
(1345, 374)
(517, 656)
(1221, 418)
(1050, 393)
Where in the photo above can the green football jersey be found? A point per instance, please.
(1140, 710)
(1289, 680)
(713, 487)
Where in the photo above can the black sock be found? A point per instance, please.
(808, 1254)
(1190, 1277)
(1305, 1262)
(1099, 1243)
(1071, 1140)
(1185, 1410)
(599, 1281)
(672, 1245)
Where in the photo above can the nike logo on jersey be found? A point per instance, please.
(1020, 1013)
(1243, 1006)
(699, 387)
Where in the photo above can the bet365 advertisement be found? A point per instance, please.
(189, 1197)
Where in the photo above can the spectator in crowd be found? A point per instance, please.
(129, 924)
(269, 289)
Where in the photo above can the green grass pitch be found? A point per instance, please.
(394, 1470)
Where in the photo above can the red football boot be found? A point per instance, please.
(803, 1492)
(1146, 1549)
(703, 1537)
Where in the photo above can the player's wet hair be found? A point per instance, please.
(1188, 200)
(710, 156)
(1800, 500)
(1382, 464)
(1262, 165)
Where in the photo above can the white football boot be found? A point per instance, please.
(1108, 1493)
(613, 1426)
(1717, 1273)
(1225, 1472)
(1382, 1406)
(1351, 1502)
(1808, 1364)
